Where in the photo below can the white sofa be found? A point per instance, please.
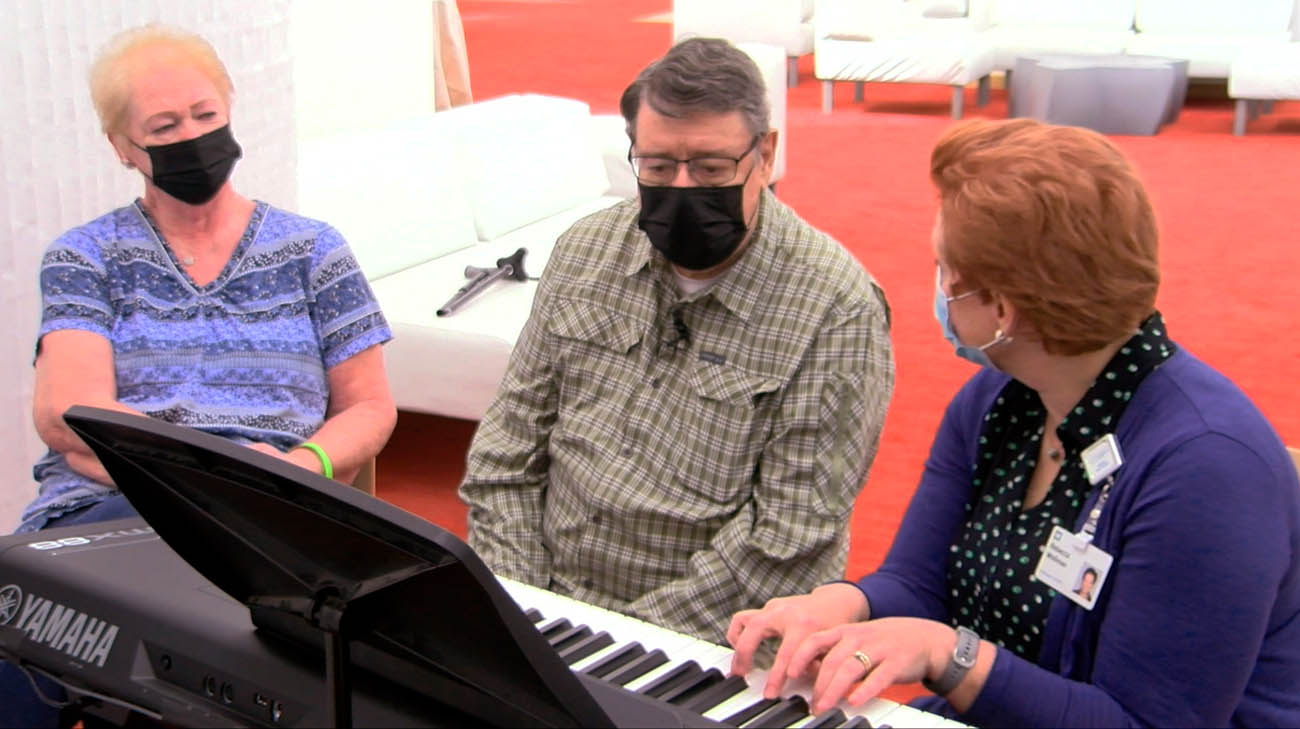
(1261, 75)
(920, 41)
(421, 199)
(1209, 34)
(784, 23)
(925, 42)
(1030, 27)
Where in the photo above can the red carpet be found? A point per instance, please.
(1227, 208)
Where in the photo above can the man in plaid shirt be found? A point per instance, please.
(691, 410)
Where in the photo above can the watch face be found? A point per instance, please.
(967, 646)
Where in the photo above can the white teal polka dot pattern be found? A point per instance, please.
(991, 588)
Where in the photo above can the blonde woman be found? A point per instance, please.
(195, 305)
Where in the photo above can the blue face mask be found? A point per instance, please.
(972, 354)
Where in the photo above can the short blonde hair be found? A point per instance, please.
(1055, 219)
(120, 59)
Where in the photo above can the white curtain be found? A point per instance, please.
(57, 171)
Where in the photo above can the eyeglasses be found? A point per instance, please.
(707, 171)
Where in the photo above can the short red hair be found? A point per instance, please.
(1053, 218)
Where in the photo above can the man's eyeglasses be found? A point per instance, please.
(706, 171)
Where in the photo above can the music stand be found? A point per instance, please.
(321, 563)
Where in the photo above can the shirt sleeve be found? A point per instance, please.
(792, 534)
(1188, 601)
(74, 287)
(346, 314)
(506, 471)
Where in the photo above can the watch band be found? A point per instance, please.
(963, 659)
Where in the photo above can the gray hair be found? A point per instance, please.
(700, 75)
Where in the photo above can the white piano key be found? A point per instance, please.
(680, 648)
(598, 656)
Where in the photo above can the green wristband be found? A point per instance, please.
(326, 467)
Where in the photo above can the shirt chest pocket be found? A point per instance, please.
(594, 353)
(728, 421)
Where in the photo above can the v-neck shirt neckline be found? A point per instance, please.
(246, 240)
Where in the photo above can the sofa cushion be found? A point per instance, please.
(1242, 16)
(1209, 55)
(393, 192)
(1266, 71)
(1011, 42)
(1076, 14)
(524, 158)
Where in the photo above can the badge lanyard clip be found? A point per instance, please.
(1100, 460)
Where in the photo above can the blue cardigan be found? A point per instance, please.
(1198, 622)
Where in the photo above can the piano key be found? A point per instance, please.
(555, 626)
(564, 637)
(533, 615)
(677, 648)
(624, 655)
(857, 722)
(825, 720)
(683, 691)
(678, 674)
(643, 666)
(751, 694)
(715, 694)
(904, 715)
(593, 643)
(782, 714)
(751, 712)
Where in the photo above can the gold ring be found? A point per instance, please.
(865, 660)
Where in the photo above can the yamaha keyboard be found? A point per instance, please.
(693, 673)
(114, 613)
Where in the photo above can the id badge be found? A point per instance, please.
(1073, 566)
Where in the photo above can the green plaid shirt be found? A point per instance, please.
(681, 482)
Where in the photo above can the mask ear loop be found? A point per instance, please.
(999, 337)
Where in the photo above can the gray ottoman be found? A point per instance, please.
(1112, 94)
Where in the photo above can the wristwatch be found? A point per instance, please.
(963, 659)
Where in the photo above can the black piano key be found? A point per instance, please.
(683, 691)
(832, 718)
(588, 646)
(565, 637)
(556, 626)
(783, 714)
(679, 673)
(533, 615)
(715, 694)
(857, 722)
(615, 660)
(749, 712)
(640, 667)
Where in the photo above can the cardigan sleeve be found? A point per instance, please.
(912, 581)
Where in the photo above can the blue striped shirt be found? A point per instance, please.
(244, 357)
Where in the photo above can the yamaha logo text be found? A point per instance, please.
(72, 632)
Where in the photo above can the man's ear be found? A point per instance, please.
(767, 148)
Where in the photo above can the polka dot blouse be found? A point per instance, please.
(991, 588)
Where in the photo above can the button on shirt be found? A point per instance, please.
(682, 478)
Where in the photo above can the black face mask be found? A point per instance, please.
(694, 227)
(194, 170)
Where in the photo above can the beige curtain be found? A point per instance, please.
(450, 62)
